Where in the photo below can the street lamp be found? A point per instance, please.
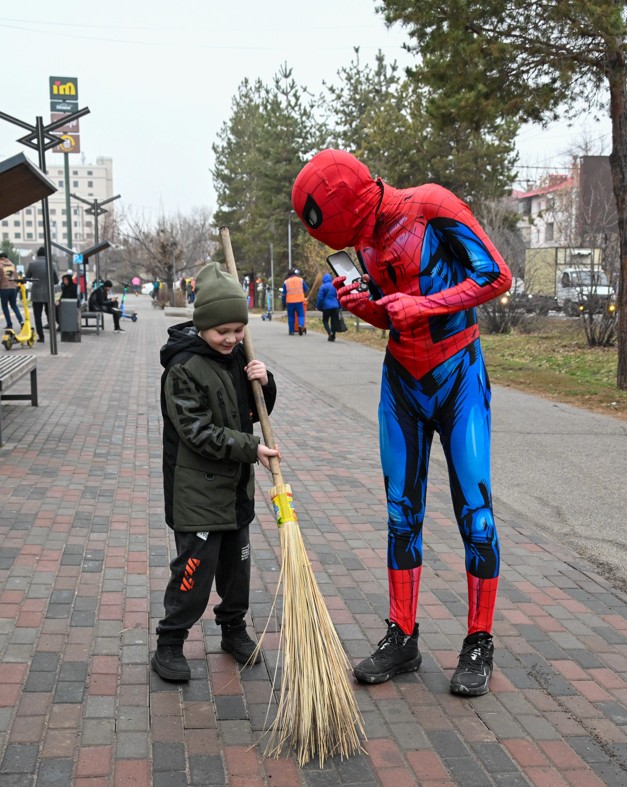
(95, 209)
(289, 238)
(174, 247)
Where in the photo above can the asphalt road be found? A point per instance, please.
(558, 468)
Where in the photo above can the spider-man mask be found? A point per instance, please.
(334, 196)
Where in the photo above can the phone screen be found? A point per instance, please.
(342, 265)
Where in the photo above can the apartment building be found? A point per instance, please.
(89, 181)
(569, 210)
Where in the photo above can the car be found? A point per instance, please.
(147, 288)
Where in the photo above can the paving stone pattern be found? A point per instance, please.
(84, 556)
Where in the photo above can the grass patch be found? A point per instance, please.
(554, 362)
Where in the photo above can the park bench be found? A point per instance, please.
(91, 320)
(12, 369)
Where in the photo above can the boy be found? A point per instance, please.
(208, 454)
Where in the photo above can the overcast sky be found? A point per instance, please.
(159, 77)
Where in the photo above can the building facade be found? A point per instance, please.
(89, 181)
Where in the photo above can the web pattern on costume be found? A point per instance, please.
(436, 252)
(430, 265)
(435, 382)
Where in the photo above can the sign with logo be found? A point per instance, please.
(63, 89)
(71, 127)
(70, 143)
(64, 101)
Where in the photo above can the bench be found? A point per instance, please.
(13, 369)
(93, 320)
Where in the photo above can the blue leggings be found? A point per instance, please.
(454, 401)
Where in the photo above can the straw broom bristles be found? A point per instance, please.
(317, 710)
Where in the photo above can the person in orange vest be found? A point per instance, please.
(293, 295)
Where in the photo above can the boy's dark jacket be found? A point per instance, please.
(208, 457)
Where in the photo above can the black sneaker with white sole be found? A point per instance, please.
(397, 652)
(474, 668)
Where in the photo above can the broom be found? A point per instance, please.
(317, 711)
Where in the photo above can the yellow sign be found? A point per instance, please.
(63, 88)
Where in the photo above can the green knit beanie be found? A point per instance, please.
(219, 298)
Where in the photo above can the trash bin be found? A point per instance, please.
(69, 320)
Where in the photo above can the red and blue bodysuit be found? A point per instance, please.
(429, 264)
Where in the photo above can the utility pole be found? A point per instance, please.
(41, 139)
(95, 209)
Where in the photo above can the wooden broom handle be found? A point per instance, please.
(260, 402)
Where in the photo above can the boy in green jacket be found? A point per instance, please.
(209, 451)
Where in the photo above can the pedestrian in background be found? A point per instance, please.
(293, 295)
(38, 274)
(8, 290)
(327, 302)
(99, 301)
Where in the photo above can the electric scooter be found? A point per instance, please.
(26, 334)
(128, 315)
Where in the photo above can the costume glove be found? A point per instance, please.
(359, 304)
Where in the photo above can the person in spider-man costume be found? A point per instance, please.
(428, 264)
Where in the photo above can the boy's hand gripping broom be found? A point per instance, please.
(317, 711)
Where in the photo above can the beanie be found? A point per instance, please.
(219, 299)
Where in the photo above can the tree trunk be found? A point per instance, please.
(618, 163)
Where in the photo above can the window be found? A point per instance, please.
(29, 211)
(29, 235)
(90, 172)
(18, 234)
(74, 172)
(53, 211)
(16, 223)
(548, 232)
(29, 223)
(90, 184)
(75, 184)
(5, 236)
(60, 183)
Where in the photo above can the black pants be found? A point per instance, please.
(224, 555)
(38, 307)
(329, 320)
(115, 312)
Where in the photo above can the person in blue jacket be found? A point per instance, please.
(328, 303)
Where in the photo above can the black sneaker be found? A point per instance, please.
(169, 663)
(397, 652)
(235, 640)
(474, 669)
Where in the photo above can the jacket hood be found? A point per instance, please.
(327, 278)
(184, 338)
(336, 198)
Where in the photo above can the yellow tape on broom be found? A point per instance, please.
(283, 503)
(317, 711)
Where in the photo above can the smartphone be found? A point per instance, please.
(342, 265)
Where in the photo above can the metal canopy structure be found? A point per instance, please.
(21, 185)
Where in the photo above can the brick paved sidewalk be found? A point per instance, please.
(84, 560)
